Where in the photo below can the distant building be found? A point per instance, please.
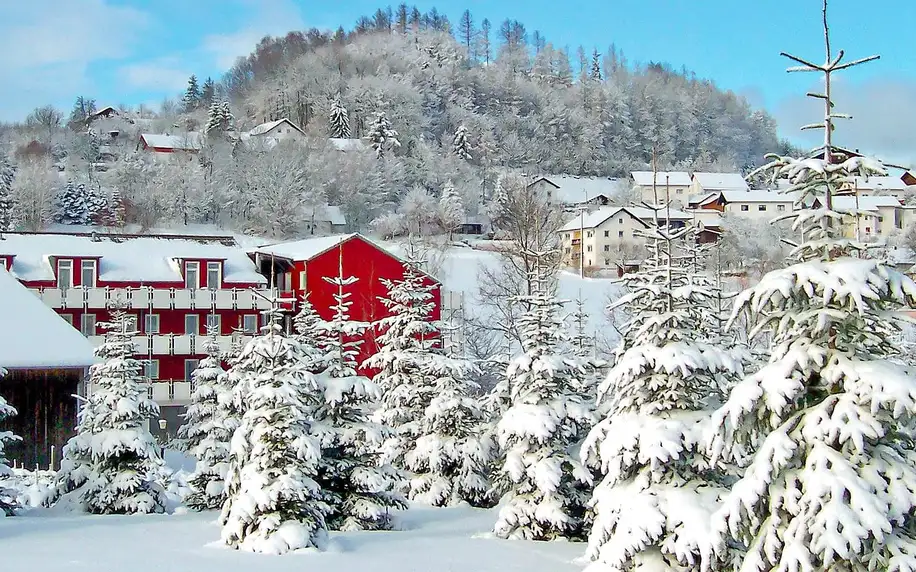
(675, 185)
(748, 204)
(325, 219)
(708, 182)
(878, 186)
(879, 217)
(168, 146)
(279, 130)
(574, 192)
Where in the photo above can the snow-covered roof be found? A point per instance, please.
(757, 196)
(32, 335)
(329, 213)
(675, 178)
(880, 183)
(863, 203)
(127, 258)
(721, 181)
(598, 216)
(573, 190)
(302, 250)
(709, 217)
(347, 144)
(265, 128)
(191, 141)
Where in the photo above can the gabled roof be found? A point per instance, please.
(575, 190)
(880, 183)
(191, 141)
(599, 216)
(348, 144)
(302, 250)
(265, 128)
(32, 335)
(328, 213)
(674, 178)
(126, 258)
(862, 203)
(720, 181)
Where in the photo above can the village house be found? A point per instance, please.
(881, 215)
(185, 146)
(878, 186)
(574, 192)
(757, 204)
(710, 182)
(279, 130)
(608, 233)
(675, 185)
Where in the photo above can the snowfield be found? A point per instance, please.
(429, 540)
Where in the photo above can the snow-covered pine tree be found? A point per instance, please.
(214, 118)
(657, 490)
(381, 136)
(451, 209)
(116, 213)
(227, 120)
(71, 204)
(111, 464)
(7, 496)
(273, 502)
(205, 431)
(7, 203)
(339, 120)
(825, 428)
(191, 98)
(311, 334)
(540, 432)
(355, 485)
(461, 145)
(96, 205)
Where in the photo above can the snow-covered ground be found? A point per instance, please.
(430, 540)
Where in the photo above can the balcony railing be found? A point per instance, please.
(146, 298)
(174, 344)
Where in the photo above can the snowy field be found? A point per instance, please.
(429, 540)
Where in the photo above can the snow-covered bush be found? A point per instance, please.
(7, 495)
(273, 502)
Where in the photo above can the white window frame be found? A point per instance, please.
(214, 320)
(84, 325)
(189, 267)
(214, 267)
(3, 263)
(151, 369)
(196, 328)
(745, 208)
(88, 266)
(60, 265)
(761, 208)
(67, 318)
(151, 324)
(302, 279)
(188, 370)
(252, 320)
(781, 208)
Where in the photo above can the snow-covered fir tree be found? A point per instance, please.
(824, 430)
(7, 203)
(214, 119)
(339, 120)
(381, 136)
(191, 98)
(273, 502)
(7, 496)
(461, 145)
(96, 205)
(311, 333)
(657, 490)
(546, 420)
(427, 400)
(207, 431)
(355, 485)
(112, 463)
(115, 211)
(72, 207)
(451, 209)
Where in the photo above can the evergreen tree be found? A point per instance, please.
(111, 465)
(227, 120)
(460, 144)
(381, 136)
(648, 448)
(355, 485)
(339, 120)
(72, 207)
(7, 203)
(207, 432)
(595, 74)
(192, 96)
(451, 210)
(207, 93)
(7, 496)
(83, 107)
(540, 431)
(273, 501)
(214, 118)
(96, 205)
(115, 210)
(311, 334)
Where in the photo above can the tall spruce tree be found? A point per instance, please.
(112, 463)
(451, 209)
(824, 431)
(72, 207)
(546, 419)
(461, 146)
(381, 136)
(273, 502)
(356, 487)
(7, 496)
(8, 205)
(191, 98)
(207, 93)
(339, 120)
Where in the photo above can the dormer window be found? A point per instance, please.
(3, 263)
(87, 273)
(192, 275)
(64, 274)
(213, 275)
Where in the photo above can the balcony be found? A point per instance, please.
(173, 344)
(146, 298)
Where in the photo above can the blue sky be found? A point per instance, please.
(139, 51)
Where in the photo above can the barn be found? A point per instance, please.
(45, 360)
(298, 268)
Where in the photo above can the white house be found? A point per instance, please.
(279, 130)
(674, 184)
(325, 219)
(759, 204)
(573, 191)
(608, 233)
(708, 182)
(880, 215)
(880, 186)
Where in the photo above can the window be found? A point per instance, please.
(213, 272)
(214, 323)
(607, 248)
(189, 366)
(761, 207)
(65, 274)
(679, 192)
(3, 263)
(867, 230)
(151, 369)
(607, 262)
(745, 208)
(619, 234)
(620, 221)
(589, 248)
(87, 273)
(589, 234)
(781, 208)
(151, 324)
(250, 323)
(87, 324)
(191, 278)
(607, 233)
(880, 219)
(302, 281)
(191, 324)
(568, 236)
(67, 318)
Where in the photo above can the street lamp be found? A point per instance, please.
(163, 423)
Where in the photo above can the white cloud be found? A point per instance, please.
(268, 17)
(165, 73)
(882, 121)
